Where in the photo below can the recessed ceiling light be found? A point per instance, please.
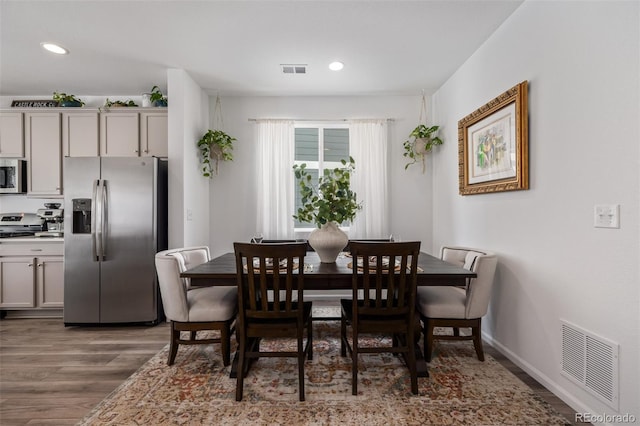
(54, 48)
(336, 66)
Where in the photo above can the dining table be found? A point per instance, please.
(432, 271)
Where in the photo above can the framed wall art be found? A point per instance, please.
(493, 145)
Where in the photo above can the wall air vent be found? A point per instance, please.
(294, 68)
(591, 362)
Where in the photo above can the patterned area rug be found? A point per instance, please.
(197, 390)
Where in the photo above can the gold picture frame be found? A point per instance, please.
(493, 145)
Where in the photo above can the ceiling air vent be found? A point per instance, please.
(294, 68)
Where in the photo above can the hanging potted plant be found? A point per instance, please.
(328, 205)
(424, 139)
(214, 146)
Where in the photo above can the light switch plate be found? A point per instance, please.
(606, 216)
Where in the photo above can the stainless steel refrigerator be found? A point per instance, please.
(115, 220)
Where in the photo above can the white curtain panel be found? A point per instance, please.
(276, 148)
(368, 147)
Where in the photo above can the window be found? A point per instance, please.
(320, 147)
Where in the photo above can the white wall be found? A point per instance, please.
(582, 63)
(188, 191)
(233, 199)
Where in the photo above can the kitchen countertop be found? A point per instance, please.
(32, 240)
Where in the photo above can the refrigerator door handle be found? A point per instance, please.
(100, 221)
(94, 216)
(105, 216)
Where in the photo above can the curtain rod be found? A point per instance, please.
(318, 119)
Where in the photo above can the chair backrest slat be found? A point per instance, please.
(385, 272)
(270, 280)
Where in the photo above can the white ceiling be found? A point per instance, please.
(236, 47)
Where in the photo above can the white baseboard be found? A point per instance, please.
(543, 379)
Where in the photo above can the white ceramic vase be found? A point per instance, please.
(328, 241)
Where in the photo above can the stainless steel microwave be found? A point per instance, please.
(13, 176)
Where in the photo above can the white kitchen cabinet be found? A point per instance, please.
(17, 282)
(11, 135)
(50, 281)
(44, 153)
(154, 140)
(31, 274)
(119, 134)
(80, 135)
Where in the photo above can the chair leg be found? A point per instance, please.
(225, 344)
(300, 369)
(477, 340)
(241, 369)
(173, 347)
(193, 335)
(456, 331)
(310, 339)
(343, 337)
(354, 364)
(428, 338)
(412, 364)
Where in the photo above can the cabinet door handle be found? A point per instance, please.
(36, 249)
(29, 264)
(39, 265)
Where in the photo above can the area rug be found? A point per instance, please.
(197, 390)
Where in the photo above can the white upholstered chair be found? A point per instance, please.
(194, 309)
(458, 307)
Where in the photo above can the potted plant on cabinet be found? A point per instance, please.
(214, 146)
(424, 139)
(329, 204)
(157, 98)
(65, 100)
(112, 104)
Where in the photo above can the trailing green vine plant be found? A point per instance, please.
(423, 140)
(214, 146)
(67, 100)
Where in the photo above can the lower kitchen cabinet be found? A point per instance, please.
(31, 276)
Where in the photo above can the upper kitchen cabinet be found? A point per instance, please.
(119, 134)
(43, 146)
(80, 134)
(11, 135)
(133, 134)
(154, 141)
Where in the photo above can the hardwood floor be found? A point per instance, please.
(54, 375)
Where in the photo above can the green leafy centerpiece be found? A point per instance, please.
(329, 204)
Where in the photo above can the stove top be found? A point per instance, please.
(20, 224)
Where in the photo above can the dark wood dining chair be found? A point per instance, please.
(270, 297)
(383, 302)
